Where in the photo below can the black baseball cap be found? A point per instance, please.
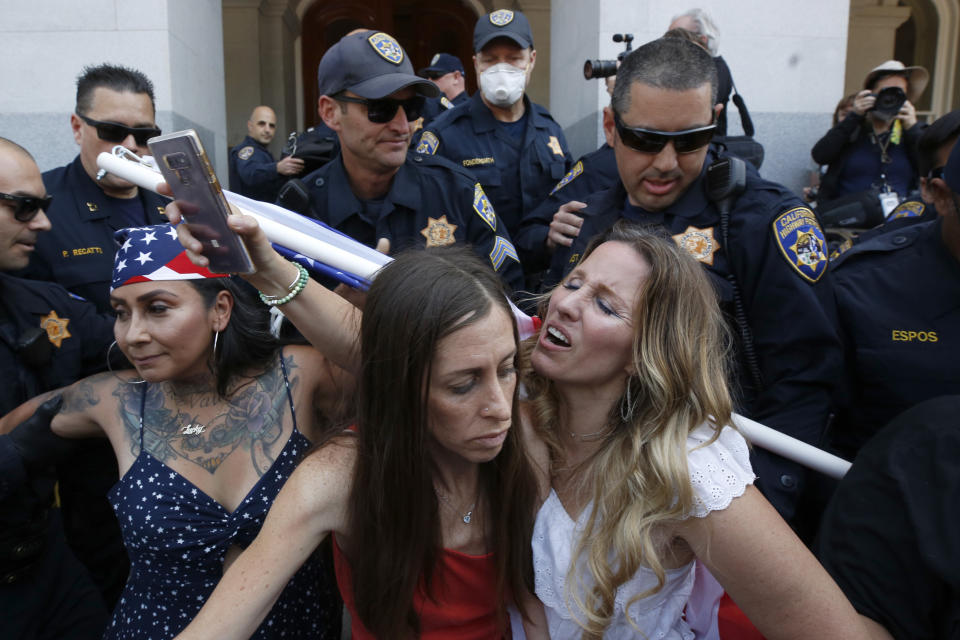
(441, 64)
(502, 23)
(951, 172)
(371, 64)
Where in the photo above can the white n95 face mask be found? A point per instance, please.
(503, 84)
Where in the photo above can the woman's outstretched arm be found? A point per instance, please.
(311, 504)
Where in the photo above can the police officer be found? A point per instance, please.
(765, 255)
(373, 191)
(253, 171)
(48, 339)
(445, 71)
(512, 145)
(899, 318)
(115, 106)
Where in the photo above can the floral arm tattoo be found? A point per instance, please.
(250, 419)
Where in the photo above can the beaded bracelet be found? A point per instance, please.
(293, 290)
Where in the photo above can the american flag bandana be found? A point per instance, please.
(153, 253)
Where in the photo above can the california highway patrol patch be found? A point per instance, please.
(908, 209)
(699, 243)
(388, 48)
(501, 17)
(428, 143)
(502, 249)
(567, 179)
(802, 243)
(481, 204)
(446, 103)
(245, 153)
(438, 232)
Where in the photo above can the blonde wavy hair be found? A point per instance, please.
(680, 357)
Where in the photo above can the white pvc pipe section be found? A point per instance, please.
(788, 447)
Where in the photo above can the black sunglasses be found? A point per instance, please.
(25, 208)
(384, 110)
(116, 132)
(650, 141)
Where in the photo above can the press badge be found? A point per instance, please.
(888, 202)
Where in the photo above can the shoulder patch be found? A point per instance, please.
(446, 103)
(802, 243)
(908, 209)
(483, 207)
(841, 249)
(429, 143)
(570, 177)
(699, 243)
(502, 249)
(501, 17)
(439, 232)
(245, 153)
(388, 48)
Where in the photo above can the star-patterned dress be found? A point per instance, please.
(177, 537)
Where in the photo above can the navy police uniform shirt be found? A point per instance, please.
(253, 171)
(78, 251)
(434, 107)
(593, 172)
(431, 202)
(898, 304)
(516, 174)
(777, 254)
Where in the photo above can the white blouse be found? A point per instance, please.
(719, 473)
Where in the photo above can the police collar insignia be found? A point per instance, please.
(56, 328)
(153, 253)
(699, 243)
(567, 179)
(501, 17)
(388, 48)
(439, 232)
(802, 243)
(245, 153)
(481, 204)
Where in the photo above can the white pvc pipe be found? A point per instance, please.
(791, 448)
(130, 171)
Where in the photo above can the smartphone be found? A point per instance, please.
(187, 169)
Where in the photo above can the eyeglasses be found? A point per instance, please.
(25, 208)
(116, 132)
(650, 141)
(384, 110)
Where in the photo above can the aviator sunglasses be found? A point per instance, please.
(651, 141)
(383, 110)
(25, 208)
(117, 133)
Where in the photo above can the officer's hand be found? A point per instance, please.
(290, 166)
(37, 445)
(383, 246)
(565, 225)
(864, 101)
(907, 115)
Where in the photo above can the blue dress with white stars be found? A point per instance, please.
(177, 537)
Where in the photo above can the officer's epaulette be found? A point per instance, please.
(439, 161)
(883, 243)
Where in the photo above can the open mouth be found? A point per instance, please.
(557, 337)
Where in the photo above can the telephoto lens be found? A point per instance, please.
(889, 101)
(599, 69)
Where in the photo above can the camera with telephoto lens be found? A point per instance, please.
(606, 68)
(889, 101)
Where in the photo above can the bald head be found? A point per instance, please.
(262, 125)
(9, 146)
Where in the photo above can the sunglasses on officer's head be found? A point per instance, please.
(384, 110)
(25, 208)
(651, 141)
(116, 132)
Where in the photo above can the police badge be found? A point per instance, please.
(56, 328)
(802, 243)
(438, 232)
(699, 243)
(501, 17)
(481, 204)
(388, 48)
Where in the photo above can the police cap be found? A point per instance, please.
(441, 64)
(371, 64)
(502, 23)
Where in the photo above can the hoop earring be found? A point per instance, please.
(110, 369)
(626, 413)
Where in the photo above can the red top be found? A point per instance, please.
(465, 607)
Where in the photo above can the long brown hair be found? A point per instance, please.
(394, 524)
(680, 360)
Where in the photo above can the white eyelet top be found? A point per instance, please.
(719, 473)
